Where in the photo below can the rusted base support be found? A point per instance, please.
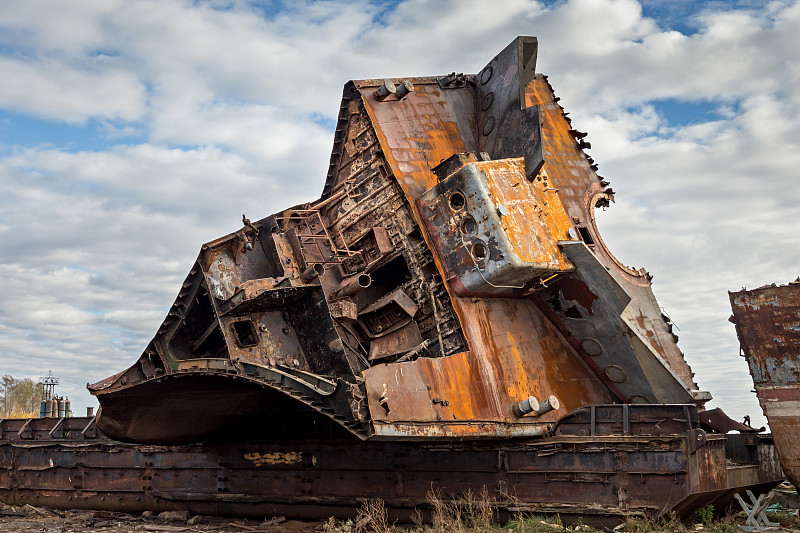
(607, 477)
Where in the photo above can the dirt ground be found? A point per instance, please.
(28, 520)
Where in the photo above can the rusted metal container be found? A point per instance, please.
(768, 326)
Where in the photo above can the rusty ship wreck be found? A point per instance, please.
(767, 323)
(453, 256)
(445, 315)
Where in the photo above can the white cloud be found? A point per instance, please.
(56, 91)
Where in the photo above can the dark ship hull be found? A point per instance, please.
(205, 408)
(768, 326)
(600, 465)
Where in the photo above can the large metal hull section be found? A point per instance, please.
(593, 475)
(450, 271)
(768, 325)
(210, 407)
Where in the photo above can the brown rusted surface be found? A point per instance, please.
(481, 385)
(768, 326)
(498, 331)
(494, 229)
(582, 190)
(716, 420)
(78, 429)
(451, 270)
(638, 461)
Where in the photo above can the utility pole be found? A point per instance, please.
(49, 385)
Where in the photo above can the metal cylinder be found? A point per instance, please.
(528, 405)
(313, 272)
(533, 406)
(404, 89)
(352, 285)
(550, 403)
(62, 408)
(52, 408)
(43, 409)
(384, 91)
(68, 409)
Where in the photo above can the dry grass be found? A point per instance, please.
(372, 518)
(473, 513)
(669, 523)
(704, 523)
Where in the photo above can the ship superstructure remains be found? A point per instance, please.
(450, 282)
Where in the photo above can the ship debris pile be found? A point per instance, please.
(451, 271)
(445, 315)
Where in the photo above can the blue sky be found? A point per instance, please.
(133, 131)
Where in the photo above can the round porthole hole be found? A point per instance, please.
(469, 226)
(457, 201)
(479, 251)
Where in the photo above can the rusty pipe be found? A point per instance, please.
(313, 272)
(352, 285)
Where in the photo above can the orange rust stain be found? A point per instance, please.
(570, 172)
(421, 178)
(413, 386)
(451, 378)
(566, 165)
(525, 354)
(536, 219)
(515, 389)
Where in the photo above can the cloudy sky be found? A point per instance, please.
(133, 131)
